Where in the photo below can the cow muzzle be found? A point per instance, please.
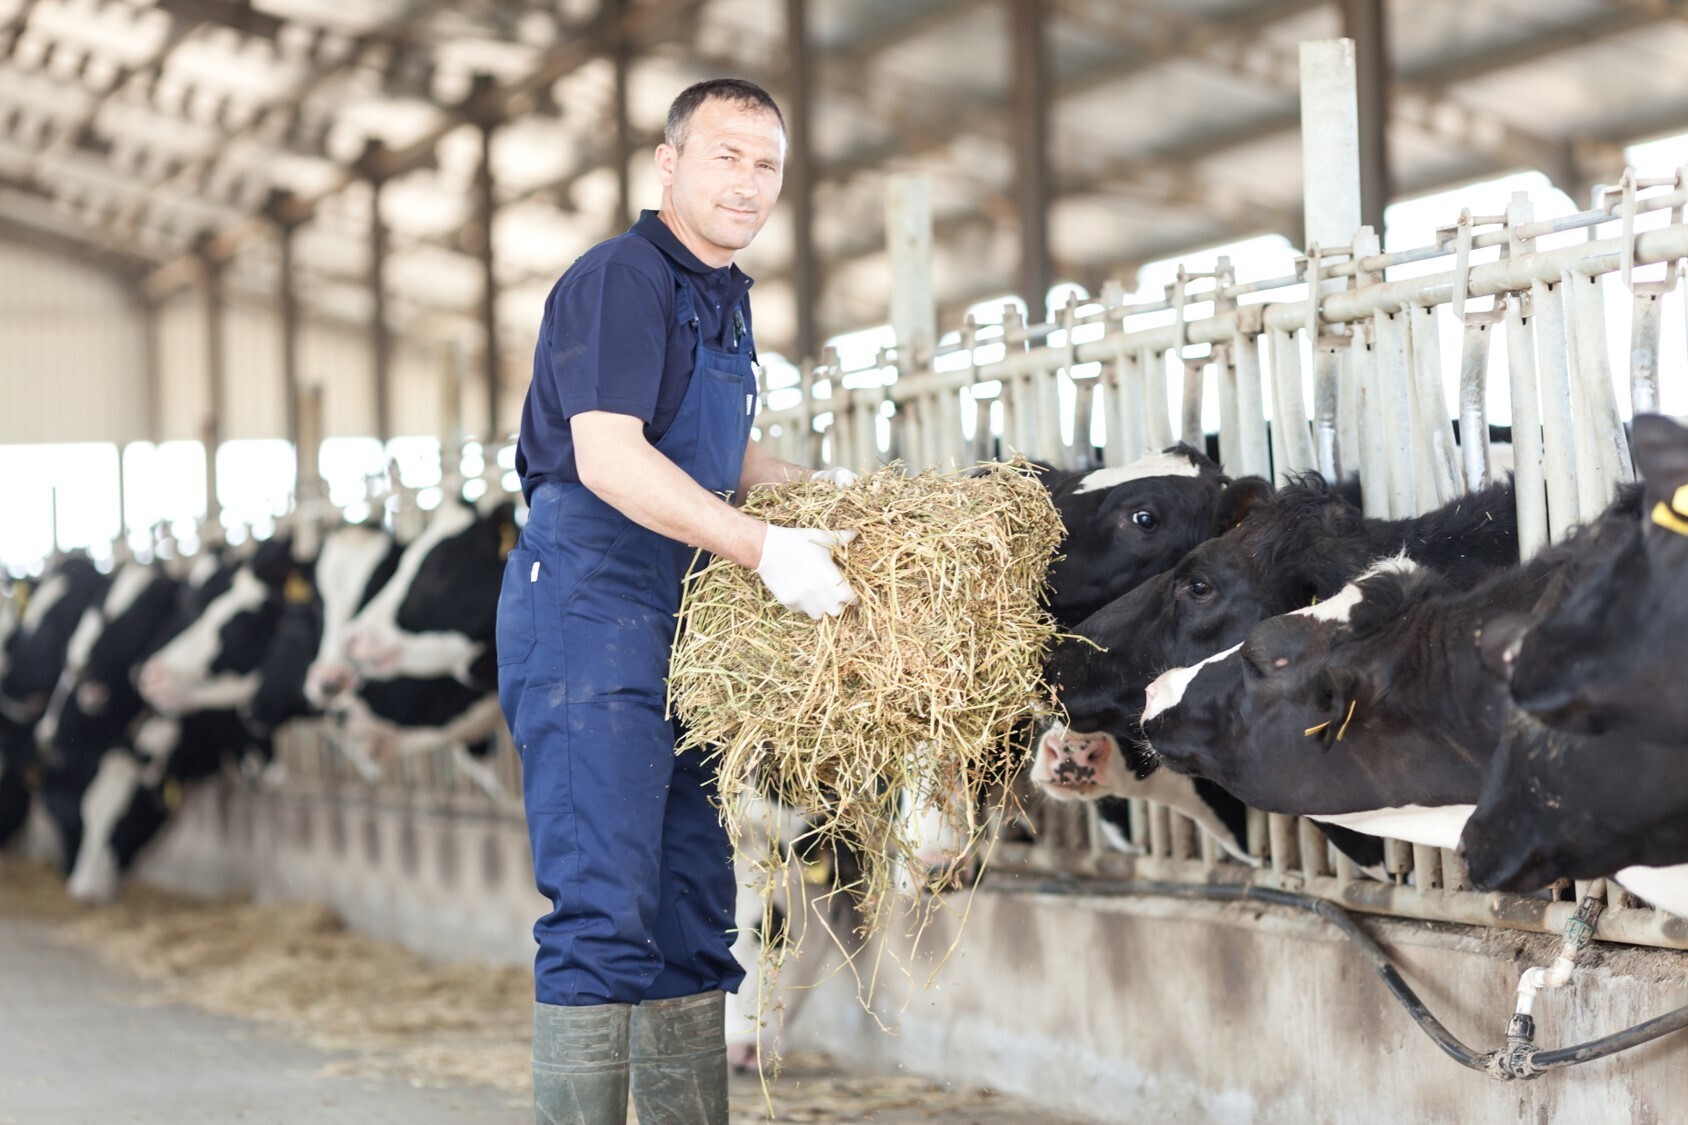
(1075, 765)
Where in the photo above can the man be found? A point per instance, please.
(636, 424)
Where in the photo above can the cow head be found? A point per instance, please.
(212, 664)
(1278, 552)
(437, 615)
(1607, 656)
(1126, 524)
(1558, 805)
(1299, 716)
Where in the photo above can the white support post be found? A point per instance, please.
(908, 239)
(1330, 142)
(1252, 454)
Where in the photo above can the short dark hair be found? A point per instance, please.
(736, 90)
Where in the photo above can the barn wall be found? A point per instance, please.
(334, 355)
(72, 352)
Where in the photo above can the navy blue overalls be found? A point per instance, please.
(625, 841)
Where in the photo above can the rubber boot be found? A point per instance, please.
(580, 1064)
(679, 1060)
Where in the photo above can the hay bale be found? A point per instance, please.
(914, 690)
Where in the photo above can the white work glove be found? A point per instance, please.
(798, 570)
(838, 475)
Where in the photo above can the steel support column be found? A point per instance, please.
(211, 294)
(621, 58)
(800, 179)
(285, 213)
(381, 338)
(1029, 124)
(486, 214)
(1366, 23)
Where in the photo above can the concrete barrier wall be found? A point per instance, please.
(1140, 1009)
(1116, 1008)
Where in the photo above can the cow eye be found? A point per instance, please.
(1198, 589)
(1144, 519)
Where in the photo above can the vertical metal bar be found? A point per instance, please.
(1328, 453)
(1397, 858)
(1600, 424)
(1474, 402)
(1230, 427)
(1029, 125)
(287, 298)
(1394, 409)
(1292, 444)
(1355, 367)
(800, 182)
(1528, 472)
(1454, 875)
(1427, 863)
(1559, 428)
(381, 340)
(949, 429)
(1286, 854)
(1364, 22)
(1259, 833)
(486, 215)
(1125, 419)
(1644, 353)
(621, 64)
(1253, 455)
(1157, 415)
(1084, 416)
(1190, 432)
(1315, 855)
(1438, 454)
(212, 432)
(1047, 385)
(1160, 831)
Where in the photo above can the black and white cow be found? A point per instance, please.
(1559, 805)
(197, 685)
(1609, 657)
(421, 651)
(30, 665)
(1288, 550)
(1368, 710)
(1128, 523)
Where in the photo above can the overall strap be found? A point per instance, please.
(685, 310)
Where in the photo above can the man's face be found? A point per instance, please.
(719, 188)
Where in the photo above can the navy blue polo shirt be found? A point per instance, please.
(609, 341)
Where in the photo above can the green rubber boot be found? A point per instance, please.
(679, 1060)
(580, 1064)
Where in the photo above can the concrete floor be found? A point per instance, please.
(80, 1044)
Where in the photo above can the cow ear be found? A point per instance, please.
(1498, 641)
(1236, 500)
(1661, 454)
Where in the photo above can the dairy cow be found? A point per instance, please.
(1288, 550)
(1558, 805)
(1368, 710)
(196, 686)
(1609, 657)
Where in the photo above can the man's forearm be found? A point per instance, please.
(762, 467)
(652, 491)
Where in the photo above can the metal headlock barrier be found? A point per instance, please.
(1379, 411)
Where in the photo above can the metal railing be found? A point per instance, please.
(1378, 410)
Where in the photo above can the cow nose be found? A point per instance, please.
(366, 650)
(1149, 694)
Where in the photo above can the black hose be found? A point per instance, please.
(1497, 1064)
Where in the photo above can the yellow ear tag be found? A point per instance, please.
(1311, 731)
(1666, 518)
(1679, 501)
(172, 794)
(506, 541)
(297, 591)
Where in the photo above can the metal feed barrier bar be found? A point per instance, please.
(1378, 410)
